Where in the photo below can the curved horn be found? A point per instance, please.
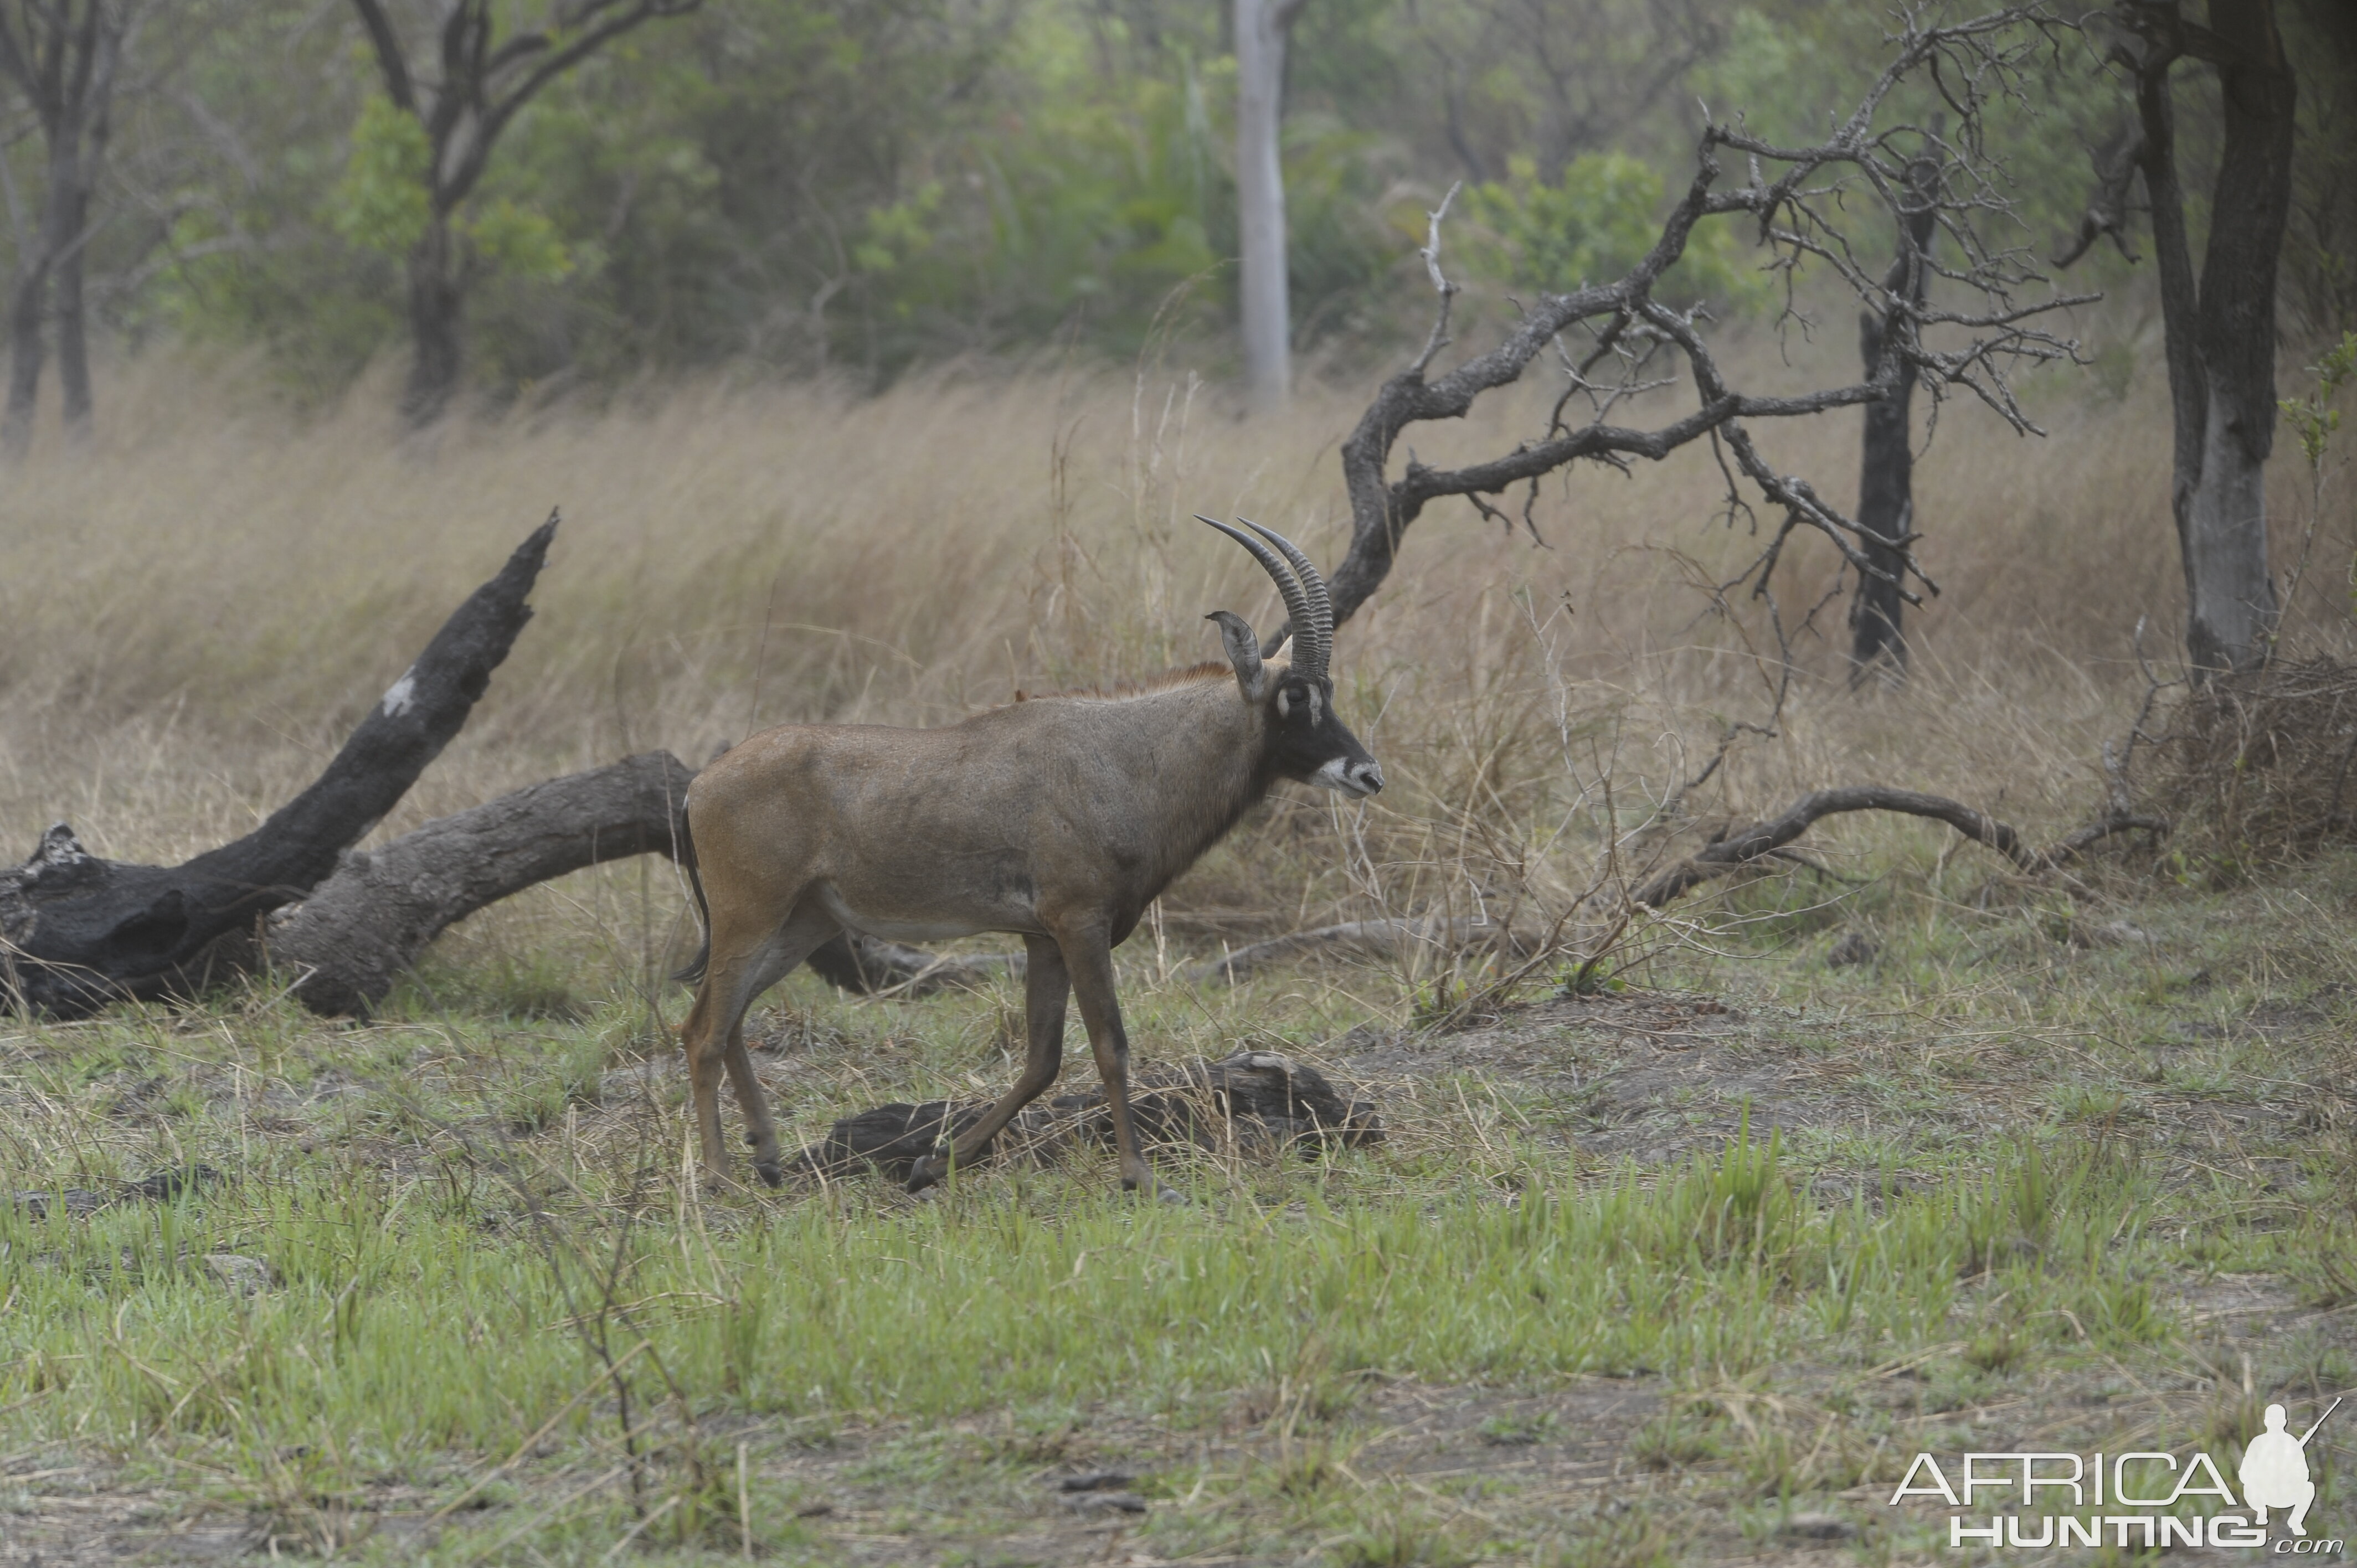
(1320, 630)
(1297, 599)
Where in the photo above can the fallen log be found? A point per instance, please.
(1764, 839)
(1251, 1100)
(78, 932)
(363, 927)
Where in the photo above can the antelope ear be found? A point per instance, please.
(1243, 653)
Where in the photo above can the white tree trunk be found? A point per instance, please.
(1261, 29)
(2222, 533)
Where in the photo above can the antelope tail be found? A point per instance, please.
(694, 974)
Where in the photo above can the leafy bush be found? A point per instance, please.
(1596, 223)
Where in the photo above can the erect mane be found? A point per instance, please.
(1123, 691)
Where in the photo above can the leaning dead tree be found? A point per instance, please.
(1810, 206)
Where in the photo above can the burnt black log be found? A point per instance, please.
(1253, 1100)
(78, 932)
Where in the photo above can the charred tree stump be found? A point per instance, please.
(78, 932)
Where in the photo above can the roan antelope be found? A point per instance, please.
(1059, 819)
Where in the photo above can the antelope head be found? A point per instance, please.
(1307, 741)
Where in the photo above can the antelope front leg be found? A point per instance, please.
(1045, 988)
(1090, 957)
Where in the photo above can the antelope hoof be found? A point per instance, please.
(926, 1172)
(769, 1172)
(1162, 1194)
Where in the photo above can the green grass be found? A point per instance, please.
(499, 1325)
(396, 1320)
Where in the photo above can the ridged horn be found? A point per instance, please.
(1297, 598)
(1319, 632)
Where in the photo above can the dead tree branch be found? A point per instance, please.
(1748, 845)
(1804, 215)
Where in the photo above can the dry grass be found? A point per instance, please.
(197, 607)
(199, 603)
(2257, 770)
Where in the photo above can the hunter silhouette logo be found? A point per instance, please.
(2275, 1470)
(2143, 1499)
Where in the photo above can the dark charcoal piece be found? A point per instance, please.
(1258, 1099)
(166, 1185)
(160, 1187)
(890, 1138)
(78, 1201)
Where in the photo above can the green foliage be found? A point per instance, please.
(381, 203)
(524, 244)
(897, 231)
(866, 184)
(2314, 418)
(1596, 223)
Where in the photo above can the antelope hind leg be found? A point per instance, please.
(795, 941)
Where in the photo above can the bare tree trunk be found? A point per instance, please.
(64, 61)
(1262, 26)
(28, 309)
(1886, 484)
(358, 929)
(437, 295)
(73, 341)
(2224, 528)
(2221, 328)
(483, 79)
(25, 352)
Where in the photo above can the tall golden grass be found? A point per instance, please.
(195, 605)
